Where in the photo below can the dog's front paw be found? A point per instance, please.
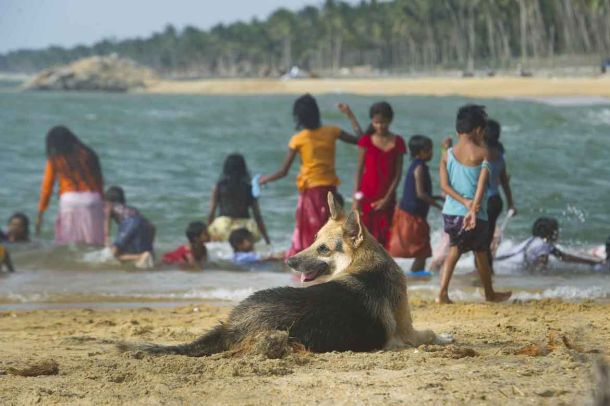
(444, 338)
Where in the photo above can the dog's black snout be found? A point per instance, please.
(292, 262)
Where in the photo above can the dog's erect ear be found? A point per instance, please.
(352, 229)
(336, 211)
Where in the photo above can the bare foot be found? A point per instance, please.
(443, 300)
(146, 261)
(499, 296)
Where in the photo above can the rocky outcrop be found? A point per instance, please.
(96, 73)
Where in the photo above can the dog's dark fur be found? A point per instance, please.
(362, 305)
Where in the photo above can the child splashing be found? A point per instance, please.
(380, 159)
(315, 144)
(464, 173)
(232, 197)
(534, 253)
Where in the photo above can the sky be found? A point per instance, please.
(35, 24)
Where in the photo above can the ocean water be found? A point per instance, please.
(167, 151)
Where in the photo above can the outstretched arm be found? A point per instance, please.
(564, 256)
(419, 188)
(213, 205)
(345, 136)
(258, 217)
(283, 171)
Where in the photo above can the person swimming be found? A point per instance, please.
(534, 252)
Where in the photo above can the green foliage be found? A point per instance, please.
(387, 35)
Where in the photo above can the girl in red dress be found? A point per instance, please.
(380, 158)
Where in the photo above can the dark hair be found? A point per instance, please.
(492, 135)
(419, 143)
(469, 118)
(306, 113)
(115, 194)
(238, 236)
(24, 219)
(546, 227)
(194, 230)
(383, 109)
(235, 168)
(78, 159)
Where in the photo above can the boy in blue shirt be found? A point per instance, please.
(464, 173)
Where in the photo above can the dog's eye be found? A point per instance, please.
(323, 249)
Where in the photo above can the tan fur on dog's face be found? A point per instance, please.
(333, 249)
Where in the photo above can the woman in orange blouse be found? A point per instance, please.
(315, 144)
(76, 167)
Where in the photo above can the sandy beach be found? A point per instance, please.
(539, 352)
(533, 87)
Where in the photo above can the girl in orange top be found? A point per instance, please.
(315, 144)
(76, 167)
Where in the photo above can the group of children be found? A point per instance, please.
(471, 175)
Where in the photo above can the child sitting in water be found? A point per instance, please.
(535, 251)
(134, 241)
(242, 242)
(194, 254)
(5, 260)
(464, 173)
(233, 198)
(410, 237)
(18, 229)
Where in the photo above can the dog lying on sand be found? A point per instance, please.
(361, 305)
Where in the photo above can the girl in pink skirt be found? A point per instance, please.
(76, 167)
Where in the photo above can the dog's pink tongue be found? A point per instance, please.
(308, 276)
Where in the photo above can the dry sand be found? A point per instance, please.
(443, 86)
(520, 353)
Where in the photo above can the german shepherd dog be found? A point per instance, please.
(361, 304)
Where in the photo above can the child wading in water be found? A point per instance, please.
(464, 173)
(410, 236)
(76, 167)
(233, 198)
(380, 158)
(498, 176)
(315, 144)
(194, 254)
(134, 240)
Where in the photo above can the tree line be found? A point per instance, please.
(394, 35)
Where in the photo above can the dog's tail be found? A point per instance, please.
(215, 341)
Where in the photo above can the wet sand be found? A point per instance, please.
(538, 352)
(533, 87)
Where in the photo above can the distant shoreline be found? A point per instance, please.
(504, 87)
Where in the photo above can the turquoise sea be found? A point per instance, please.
(167, 152)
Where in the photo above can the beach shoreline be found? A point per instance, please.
(523, 352)
(480, 87)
